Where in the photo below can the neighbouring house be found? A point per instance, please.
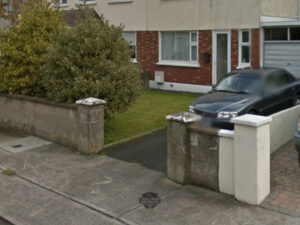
(72, 16)
(188, 45)
(10, 8)
(4, 23)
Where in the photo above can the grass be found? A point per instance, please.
(147, 114)
(9, 172)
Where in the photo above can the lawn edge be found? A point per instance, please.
(129, 139)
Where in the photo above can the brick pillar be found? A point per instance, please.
(90, 125)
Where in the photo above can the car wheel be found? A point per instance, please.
(297, 100)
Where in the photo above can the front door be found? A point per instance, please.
(221, 55)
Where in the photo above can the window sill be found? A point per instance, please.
(88, 2)
(119, 1)
(64, 5)
(134, 61)
(243, 66)
(179, 64)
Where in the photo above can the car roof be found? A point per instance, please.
(261, 71)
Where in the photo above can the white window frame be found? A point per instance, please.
(280, 41)
(241, 44)
(134, 60)
(189, 63)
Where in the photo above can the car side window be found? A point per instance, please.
(282, 79)
(270, 84)
(276, 80)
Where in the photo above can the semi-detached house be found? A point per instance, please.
(188, 45)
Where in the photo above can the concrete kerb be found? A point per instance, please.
(133, 138)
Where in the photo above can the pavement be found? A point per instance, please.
(53, 185)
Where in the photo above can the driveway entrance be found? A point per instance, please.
(285, 182)
(149, 151)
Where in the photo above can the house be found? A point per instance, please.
(4, 23)
(188, 45)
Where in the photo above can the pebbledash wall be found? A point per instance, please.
(148, 58)
(79, 126)
(232, 162)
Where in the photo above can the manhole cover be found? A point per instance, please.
(17, 146)
(23, 144)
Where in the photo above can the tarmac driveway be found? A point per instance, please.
(149, 151)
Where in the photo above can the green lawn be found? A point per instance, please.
(147, 114)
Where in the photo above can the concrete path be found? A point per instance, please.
(55, 186)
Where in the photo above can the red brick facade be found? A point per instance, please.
(148, 56)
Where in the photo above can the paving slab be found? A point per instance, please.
(193, 205)
(27, 204)
(110, 184)
(285, 182)
(22, 144)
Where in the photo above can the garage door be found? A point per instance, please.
(284, 55)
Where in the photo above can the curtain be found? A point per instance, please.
(175, 46)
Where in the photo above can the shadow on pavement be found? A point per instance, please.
(149, 151)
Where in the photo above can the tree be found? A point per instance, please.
(92, 60)
(23, 48)
(10, 10)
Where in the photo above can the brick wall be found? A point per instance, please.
(147, 47)
(234, 49)
(255, 52)
(148, 56)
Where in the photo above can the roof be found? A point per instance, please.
(71, 16)
(262, 71)
(4, 24)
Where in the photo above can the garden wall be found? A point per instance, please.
(79, 126)
(283, 127)
(233, 162)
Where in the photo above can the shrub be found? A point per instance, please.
(23, 48)
(92, 60)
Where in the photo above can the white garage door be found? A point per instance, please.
(284, 55)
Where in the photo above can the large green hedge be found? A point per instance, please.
(92, 59)
(23, 48)
(42, 57)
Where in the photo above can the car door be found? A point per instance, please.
(277, 93)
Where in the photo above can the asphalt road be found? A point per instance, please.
(149, 151)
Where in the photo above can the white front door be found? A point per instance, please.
(221, 54)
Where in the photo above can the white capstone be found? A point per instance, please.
(90, 101)
(251, 120)
(185, 117)
(226, 133)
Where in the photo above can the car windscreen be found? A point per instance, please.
(240, 83)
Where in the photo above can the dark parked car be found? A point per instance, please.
(297, 139)
(261, 92)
